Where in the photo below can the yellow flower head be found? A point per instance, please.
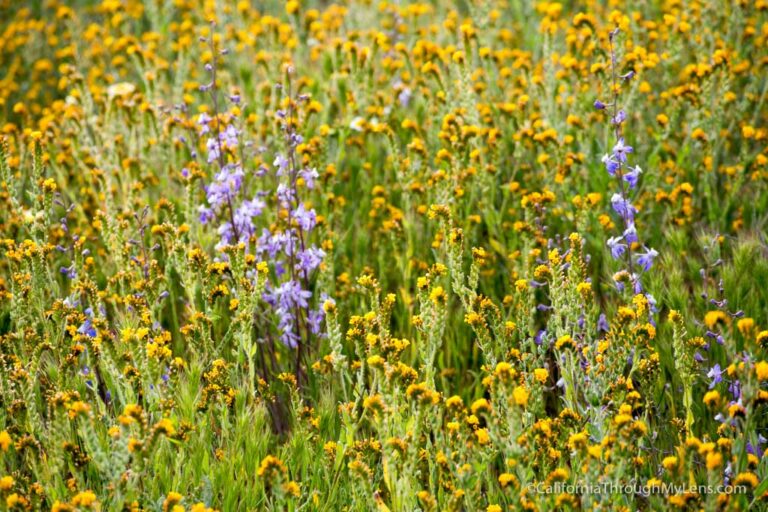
(670, 463)
(84, 499)
(5, 441)
(761, 370)
(438, 295)
(482, 436)
(712, 318)
(711, 398)
(520, 396)
(6, 483)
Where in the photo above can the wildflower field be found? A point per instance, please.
(389, 256)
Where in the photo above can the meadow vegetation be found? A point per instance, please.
(436, 256)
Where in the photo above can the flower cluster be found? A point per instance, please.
(320, 255)
(288, 247)
(617, 165)
(228, 204)
(233, 206)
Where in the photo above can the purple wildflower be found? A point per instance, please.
(617, 247)
(404, 97)
(619, 118)
(309, 260)
(315, 320)
(623, 207)
(602, 323)
(205, 215)
(628, 76)
(281, 163)
(621, 150)
(735, 389)
(212, 145)
(285, 195)
(630, 234)
(611, 165)
(87, 328)
(306, 219)
(203, 121)
(290, 294)
(70, 271)
(645, 259)
(632, 176)
(230, 136)
(309, 176)
(716, 376)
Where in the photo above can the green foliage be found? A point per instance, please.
(474, 348)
